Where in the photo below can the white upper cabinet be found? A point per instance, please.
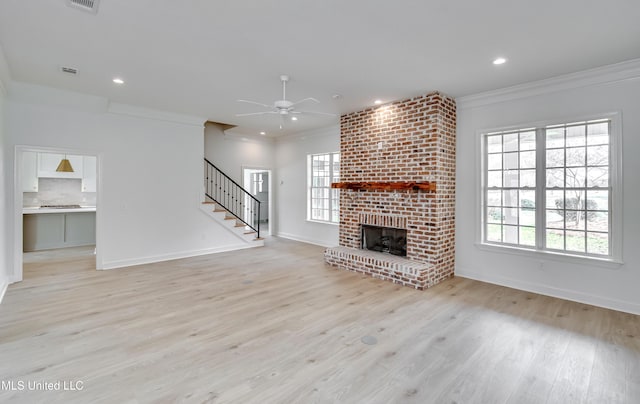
(29, 172)
(89, 174)
(48, 162)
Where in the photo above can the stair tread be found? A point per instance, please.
(249, 232)
(220, 210)
(207, 203)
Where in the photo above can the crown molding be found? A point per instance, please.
(157, 115)
(623, 71)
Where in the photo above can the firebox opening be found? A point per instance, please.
(384, 239)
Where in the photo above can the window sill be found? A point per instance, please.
(323, 222)
(609, 263)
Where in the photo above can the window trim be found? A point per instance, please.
(615, 202)
(310, 187)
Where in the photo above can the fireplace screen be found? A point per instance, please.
(384, 239)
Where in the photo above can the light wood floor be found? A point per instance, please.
(275, 325)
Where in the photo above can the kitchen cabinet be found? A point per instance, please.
(48, 162)
(89, 172)
(58, 230)
(29, 172)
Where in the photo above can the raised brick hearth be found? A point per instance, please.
(413, 141)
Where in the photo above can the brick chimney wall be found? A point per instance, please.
(409, 140)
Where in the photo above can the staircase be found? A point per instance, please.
(231, 205)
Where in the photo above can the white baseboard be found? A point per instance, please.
(566, 294)
(294, 237)
(173, 256)
(4, 284)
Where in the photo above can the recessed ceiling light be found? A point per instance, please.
(294, 118)
(377, 102)
(499, 61)
(263, 133)
(336, 96)
(118, 80)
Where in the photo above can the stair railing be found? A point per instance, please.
(227, 193)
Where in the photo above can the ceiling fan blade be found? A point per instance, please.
(315, 113)
(256, 103)
(306, 99)
(257, 113)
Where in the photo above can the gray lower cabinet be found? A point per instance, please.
(57, 230)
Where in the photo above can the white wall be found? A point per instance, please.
(291, 185)
(5, 235)
(230, 153)
(616, 88)
(150, 173)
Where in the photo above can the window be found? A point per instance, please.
(323, 201)
(550, 188)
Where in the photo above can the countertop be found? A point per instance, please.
(37, 210)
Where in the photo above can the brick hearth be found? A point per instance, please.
(413, 141)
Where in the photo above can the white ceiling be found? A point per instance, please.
(198, 57)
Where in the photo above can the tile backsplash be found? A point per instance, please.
(59, 191)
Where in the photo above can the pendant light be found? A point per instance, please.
(64, 166)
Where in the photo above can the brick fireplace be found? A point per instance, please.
(405, 142)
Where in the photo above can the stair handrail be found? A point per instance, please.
(230, 195)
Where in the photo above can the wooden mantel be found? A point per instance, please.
(386, 186)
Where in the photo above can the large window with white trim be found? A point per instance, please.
(551, 188)
(323, 201)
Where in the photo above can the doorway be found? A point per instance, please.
(56, 195)
(258, 182)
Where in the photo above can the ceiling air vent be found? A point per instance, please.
(90, 6)
(69, 70)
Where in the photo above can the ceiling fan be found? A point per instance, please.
(283, 107)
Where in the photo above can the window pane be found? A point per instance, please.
(576, 156)
(528, 140)
(494, 198)
(555, 239)
(528, 159)
(555, 137)
(510, 215)
(598, 200)
(510, 198)
(598, 243)
(494, 179)
(528, 236)
(528, 200)
(575, 177)
(528, 178)
(598, 133)
(494, 162)
(494, 215)
(527, 217)
(598, 221)
(555, 158)
(494, 232)
(510, 234)
(576, 136)
(598, 155)
(510, 179)
(598, 177)
(510, 161)
(575, 241)
(494, 144)
(555, 199)
(510, 142)
(555, 218)
(555, 178)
